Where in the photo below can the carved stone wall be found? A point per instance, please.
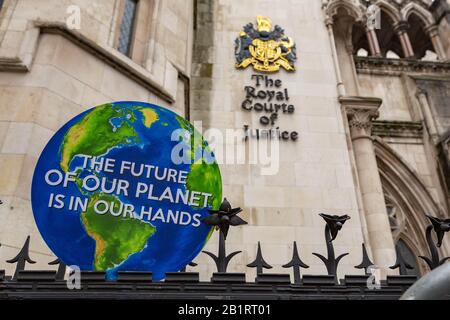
(49, 74)
(413, 118)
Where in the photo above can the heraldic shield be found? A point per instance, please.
(265, 49)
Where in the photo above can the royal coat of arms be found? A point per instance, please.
(265, 49)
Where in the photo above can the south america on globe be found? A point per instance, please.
(124, 187)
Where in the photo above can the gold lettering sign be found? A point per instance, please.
(265, 49)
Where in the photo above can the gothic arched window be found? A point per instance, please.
(400, 231)
(387, 37)
(410, 257)
(359, 41)
(420, 40)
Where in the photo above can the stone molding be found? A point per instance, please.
(23, 62)
(384, 66)
(397, 10)
(354, 8)
(398, 129)
(401, 26)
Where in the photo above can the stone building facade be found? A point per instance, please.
(371, 113)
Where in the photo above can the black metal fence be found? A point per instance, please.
(222, 283)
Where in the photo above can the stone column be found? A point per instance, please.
(340, 81)
(360, 112)
(441, 13)
(374, 45)
(432, 31)
(350, 49)
(427, 115)
(400, 29)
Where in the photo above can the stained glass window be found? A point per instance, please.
(127, 26)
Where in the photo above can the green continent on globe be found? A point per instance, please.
(203, 176)
(94, 134)
(206, 177)
(116, 238)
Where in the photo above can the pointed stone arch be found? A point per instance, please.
(389, 39)
(400, 182)
(409, 229)
(390, 10)
(405, 179)
(353, 8)
(422, 31)
(341, 17)
(419, 11)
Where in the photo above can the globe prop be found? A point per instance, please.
(125, 187)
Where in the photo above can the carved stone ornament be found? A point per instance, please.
(361, 111)
(361, 120)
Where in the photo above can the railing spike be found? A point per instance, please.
(60, 274)
(366, 262)
(259, 262)
(22, 258)
(296, 263)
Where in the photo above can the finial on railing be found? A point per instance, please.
(22, 258)
(61, 268)
(296, 263)
(225, 217)
(440, 227)
(333, 226)
(222, 219)
(366, 262)
(259, 263)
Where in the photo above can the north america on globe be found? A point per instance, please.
(158, 234)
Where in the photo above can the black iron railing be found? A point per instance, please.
(277, 284)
